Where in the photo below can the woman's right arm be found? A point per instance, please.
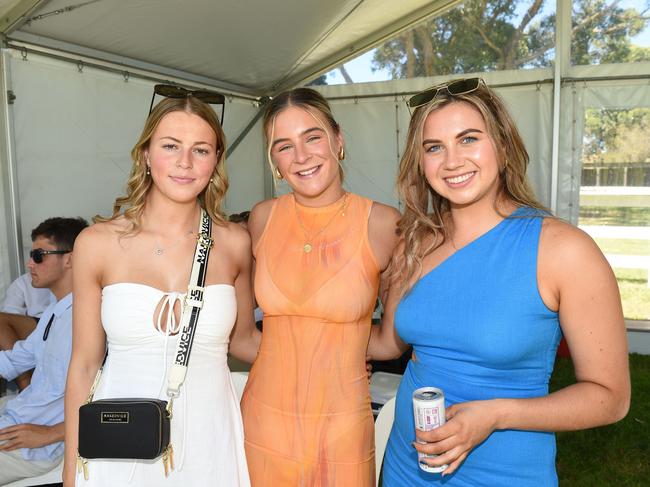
(88, 338)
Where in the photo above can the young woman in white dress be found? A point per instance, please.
(131, 273)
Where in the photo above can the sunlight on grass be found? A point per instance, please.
(635, 293)
(623, 246)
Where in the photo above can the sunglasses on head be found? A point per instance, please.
(37, 254)
(456, 87)
(173, 91)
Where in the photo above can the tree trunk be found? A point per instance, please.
(428, 54)
(411, 60)
(345, 74)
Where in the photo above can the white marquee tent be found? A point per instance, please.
(77, 78)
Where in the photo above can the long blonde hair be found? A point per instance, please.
(425, 210)
(139, 183)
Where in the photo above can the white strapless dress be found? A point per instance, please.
(206, 429)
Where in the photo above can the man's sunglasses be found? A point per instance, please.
(456, 87)
(173, 91)
(37, 254)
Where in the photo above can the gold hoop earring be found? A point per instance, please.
(341, 154)
(277, 173)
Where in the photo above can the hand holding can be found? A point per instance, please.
(429, 414)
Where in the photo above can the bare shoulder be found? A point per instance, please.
(383, 221)
(566, 241)
(384, 212)
(232, 236)
(258, 218)
(100, 235)
(261, 211)
(565, 249)
(382, 232)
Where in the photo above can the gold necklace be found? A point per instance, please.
(307, 247)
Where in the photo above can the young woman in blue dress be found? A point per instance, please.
(487, 283)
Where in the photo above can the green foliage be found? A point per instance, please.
(321, 80)
(611, 455)
(602, 31)
(481, 35)
(616, 136)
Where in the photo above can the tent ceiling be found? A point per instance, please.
(253, 46)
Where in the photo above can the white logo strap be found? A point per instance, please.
(191, 306)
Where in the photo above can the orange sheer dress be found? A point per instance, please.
(306, 407)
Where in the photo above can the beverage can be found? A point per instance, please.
(429, 414)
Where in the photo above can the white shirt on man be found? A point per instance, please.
(24, 299)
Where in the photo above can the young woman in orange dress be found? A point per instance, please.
(319, 254)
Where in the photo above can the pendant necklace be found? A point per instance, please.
(309, 238)
(160, 250)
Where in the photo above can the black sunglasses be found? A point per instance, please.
(37, 254)
(173, 91)
(456, 87)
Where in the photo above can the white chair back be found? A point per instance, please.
(383, 425)
(54, 476)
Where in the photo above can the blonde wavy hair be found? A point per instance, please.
(312, 102)
(131, 206)
(425, 210)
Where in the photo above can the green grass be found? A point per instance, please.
(615, 455)
(635, 293)
(612, 215)
(624, 246)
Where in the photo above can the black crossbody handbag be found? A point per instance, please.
(139, 428)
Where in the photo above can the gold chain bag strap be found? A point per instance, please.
(139, 428)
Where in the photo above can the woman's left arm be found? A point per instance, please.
(575, 279)
(245, 338)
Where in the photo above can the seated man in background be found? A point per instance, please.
(23, 306)
(31, 424)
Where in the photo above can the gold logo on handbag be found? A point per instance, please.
(114, 417)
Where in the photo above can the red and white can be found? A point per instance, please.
(429, 414)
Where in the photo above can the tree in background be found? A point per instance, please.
(616, 136)
(602, 31)
(481, 35)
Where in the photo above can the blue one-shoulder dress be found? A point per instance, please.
(480, 330)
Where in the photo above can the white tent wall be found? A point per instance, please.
(375, 129)
(8, 243)
(245, 166)
(73, 132)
